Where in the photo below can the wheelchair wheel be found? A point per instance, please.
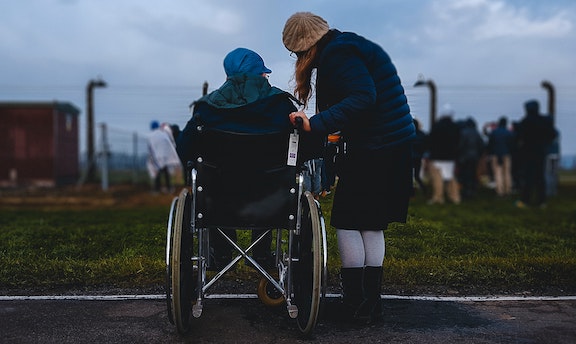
(168, 279)
(308, 265)
(268, 294)
(181, 266)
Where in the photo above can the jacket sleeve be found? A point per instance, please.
(343, 74)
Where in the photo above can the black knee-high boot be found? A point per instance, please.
(352, 293)
(371, 308)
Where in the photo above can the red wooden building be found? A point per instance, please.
(38, 143)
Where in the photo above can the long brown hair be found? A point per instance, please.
(303, 74)
(305, 65)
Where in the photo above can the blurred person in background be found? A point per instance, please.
(500, 147)
(313, 173)
(534, 135)
(470, 151)
(331, 155)
(162, 157)
(442, 147)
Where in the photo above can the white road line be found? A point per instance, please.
(254, 296)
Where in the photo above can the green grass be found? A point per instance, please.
(485, 245)
(46, 249)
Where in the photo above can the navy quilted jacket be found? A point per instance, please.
(243, 104)
(359, 93)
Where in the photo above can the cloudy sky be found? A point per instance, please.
(486, 56)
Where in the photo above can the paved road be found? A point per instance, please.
(249, 321)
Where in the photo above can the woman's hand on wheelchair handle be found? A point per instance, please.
(305, 122)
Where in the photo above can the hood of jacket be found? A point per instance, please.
(240, 90)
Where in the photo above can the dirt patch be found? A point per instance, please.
(84, 197)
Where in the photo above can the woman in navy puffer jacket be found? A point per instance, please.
(359, 93)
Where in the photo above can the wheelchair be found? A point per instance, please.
(246, 182)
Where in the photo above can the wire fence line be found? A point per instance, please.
(484, 103)
(120, 156)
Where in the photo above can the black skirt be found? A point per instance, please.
(373, 189)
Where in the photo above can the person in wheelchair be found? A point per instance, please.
(245, 103)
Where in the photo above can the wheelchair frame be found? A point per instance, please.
(301, 261)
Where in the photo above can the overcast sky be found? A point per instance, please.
(486, 56)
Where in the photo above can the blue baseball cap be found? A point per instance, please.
(242, 60)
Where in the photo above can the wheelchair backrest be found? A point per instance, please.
(251, 151)
(245, 180)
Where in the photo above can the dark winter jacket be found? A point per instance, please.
(471, 145)
(443, 140)
(500, 142)
(359, 93)
(243, 104)
(535, 132)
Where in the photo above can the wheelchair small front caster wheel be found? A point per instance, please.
(268, 294)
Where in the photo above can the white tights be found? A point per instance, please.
(360, 248)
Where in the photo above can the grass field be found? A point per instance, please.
(482, 246)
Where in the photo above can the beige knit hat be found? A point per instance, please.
(302, 30)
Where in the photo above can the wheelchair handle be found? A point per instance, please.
(299, 123)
